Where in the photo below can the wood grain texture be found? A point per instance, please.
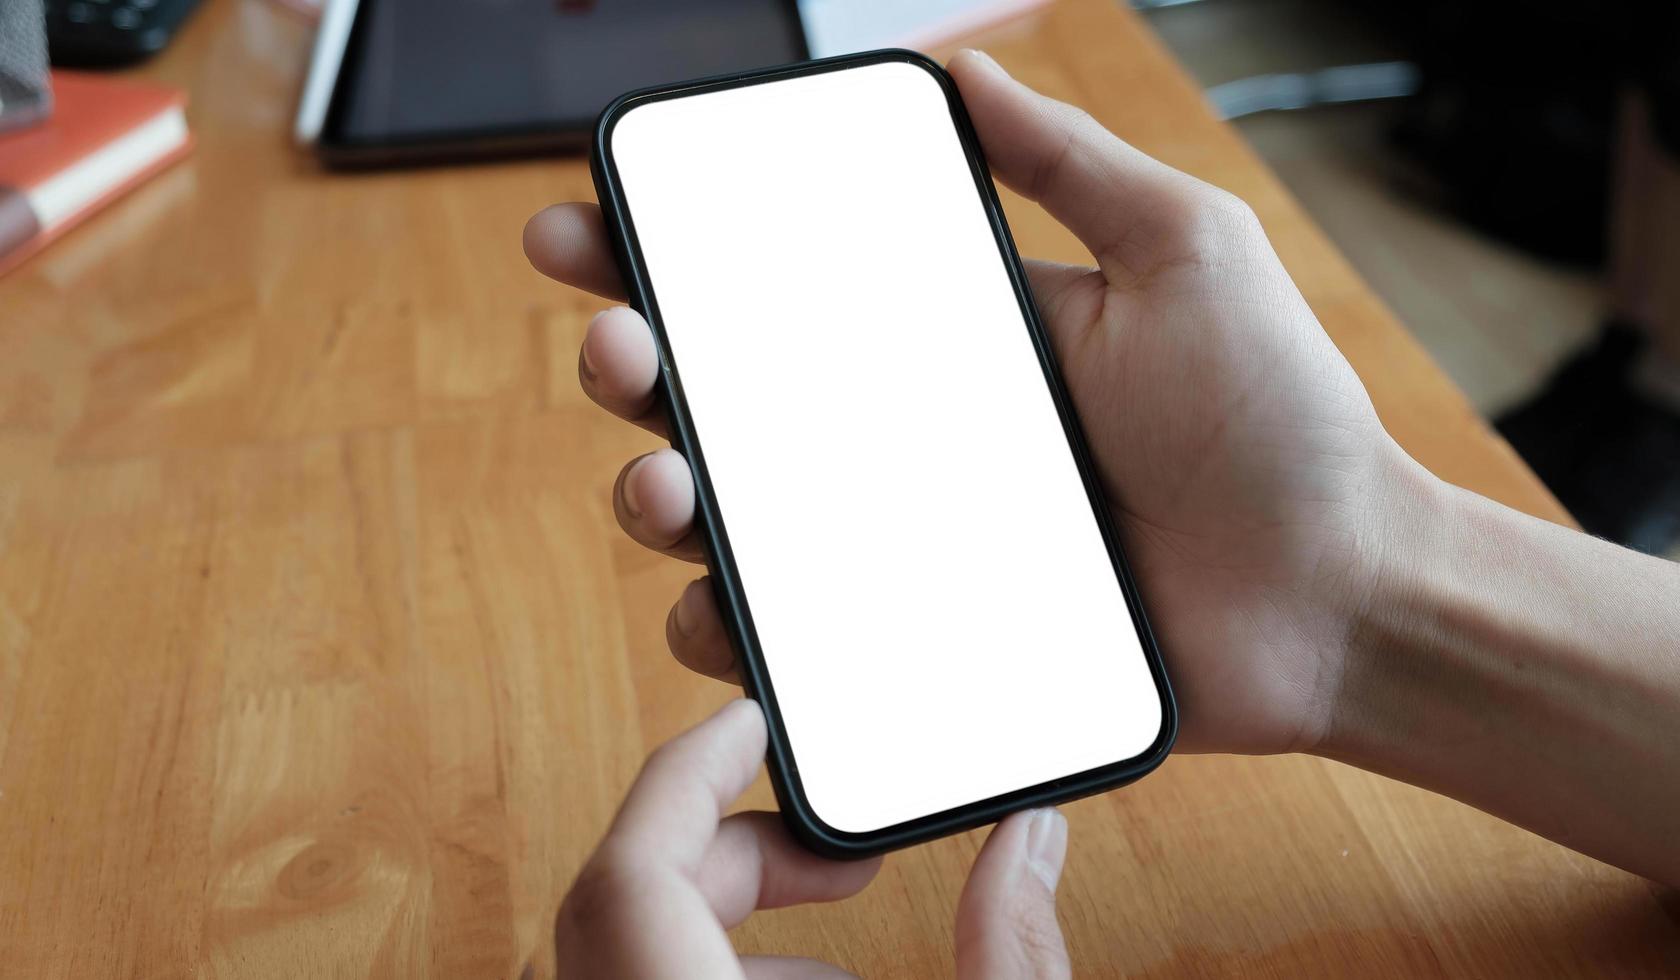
(321, 654)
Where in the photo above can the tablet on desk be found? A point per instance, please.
(399, 81)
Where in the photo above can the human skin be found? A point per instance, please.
(673, 874)
(1312, 587)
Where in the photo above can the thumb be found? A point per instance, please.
(1006, 919)
(1125, 205)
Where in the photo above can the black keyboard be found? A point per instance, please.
(107, 33)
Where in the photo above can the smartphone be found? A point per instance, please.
(905, 532)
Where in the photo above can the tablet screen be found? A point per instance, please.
(430, 71)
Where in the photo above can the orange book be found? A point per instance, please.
(103, 138)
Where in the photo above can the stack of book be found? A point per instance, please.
(102, 139)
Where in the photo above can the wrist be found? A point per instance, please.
(1515, 665)
(1412, 525)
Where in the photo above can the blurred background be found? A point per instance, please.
(1508, 180)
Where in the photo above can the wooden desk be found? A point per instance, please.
(321, 654)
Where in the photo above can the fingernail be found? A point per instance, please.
(1047, 846)
(988, 59)
(687, 613)
(632, 505)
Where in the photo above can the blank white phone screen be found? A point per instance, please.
(939, 618)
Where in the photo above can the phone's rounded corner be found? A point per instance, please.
(816, 834)
(919, 59)
(818, 837)
(1165, 739)
(608, 120)
(926, 63)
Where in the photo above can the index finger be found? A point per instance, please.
(569, 242)
(674, 806)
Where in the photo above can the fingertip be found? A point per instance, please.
(694, 632)
(1006, 922)
(1034, 841)
(739, 728)
(1047, 840)
(674, 806)
(569, 243)
(789, 872)
(973, 59)
(531, 236)
(546, 238)
(753, 862)
(619, 361)
(850, 877)
(864, 871)
(1009, 117)
(659, 496)
(978, 75)
(747, 716)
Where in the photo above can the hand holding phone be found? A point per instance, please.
(856, 192)
(1240, 454)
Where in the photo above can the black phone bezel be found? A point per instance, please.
(801, 819)
(466, 145)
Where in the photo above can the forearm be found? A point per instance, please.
(1525, 669)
